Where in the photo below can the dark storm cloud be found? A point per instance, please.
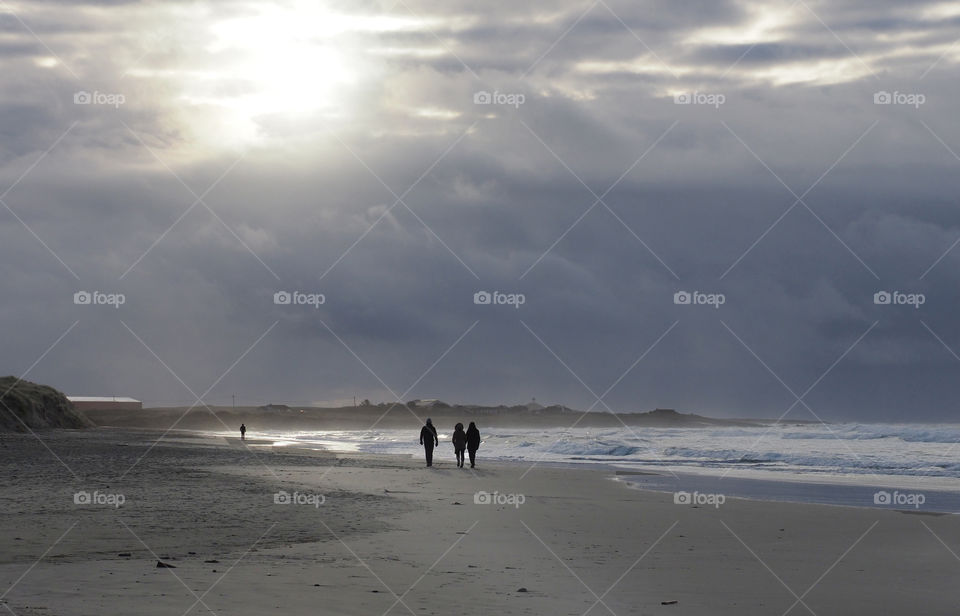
(767, 53)
(499, 211)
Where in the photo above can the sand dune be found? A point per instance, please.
(28, 406)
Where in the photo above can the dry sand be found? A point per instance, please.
(394, 537)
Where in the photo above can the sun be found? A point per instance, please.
(276, 61)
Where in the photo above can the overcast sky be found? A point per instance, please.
(781, 162)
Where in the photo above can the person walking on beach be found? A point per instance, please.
(459, 443)
(473, 442)
(243, 432)
(429, 439)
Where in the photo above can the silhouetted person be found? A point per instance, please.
(243, 432)
(429, 439)
(473, 442)
(459, 443)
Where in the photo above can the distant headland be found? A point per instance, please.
(396, 415)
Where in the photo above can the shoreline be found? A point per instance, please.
(774, 487)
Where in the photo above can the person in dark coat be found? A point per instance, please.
(243, 432)
(473, 442)
(459, 443)
(429, 439)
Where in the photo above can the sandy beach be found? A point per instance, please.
(251, 529)
(685, 271)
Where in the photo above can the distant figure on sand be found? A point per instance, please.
(429, 439)
(459, 443)
(473, 442)
(243, 432)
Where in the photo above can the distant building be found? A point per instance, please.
(119, 403)
(428, 403)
